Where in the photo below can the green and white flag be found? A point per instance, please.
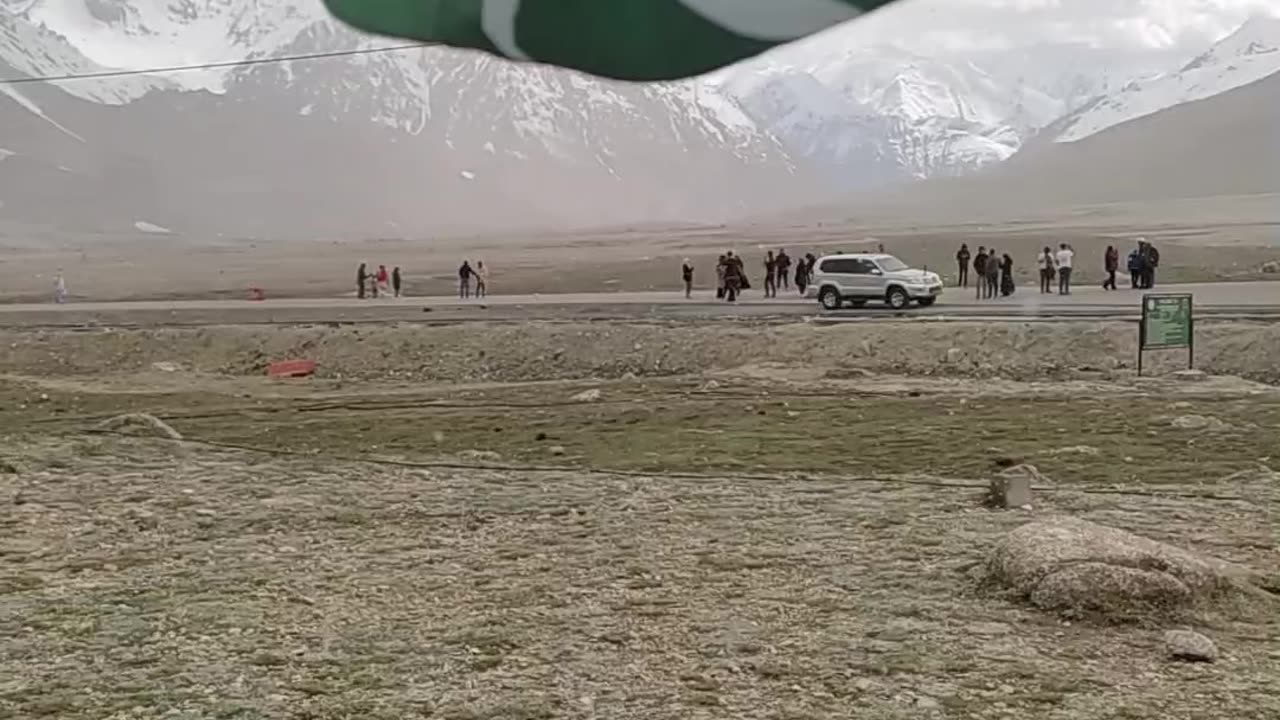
(624, 39)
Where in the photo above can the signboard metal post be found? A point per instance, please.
(1168, 323)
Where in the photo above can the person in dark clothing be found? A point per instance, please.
(770, 275)
(1110, 263)
(1044, 264)
(733, 277)
(1006, 275)
(784, 270)
(980, 270)
(722, 270)
(686, 274)
(464, 279)
(1135, 268)
(1149, 267)
(993, 275)
(962, 263)
(362, 279)
(395, 280)
(802, 276)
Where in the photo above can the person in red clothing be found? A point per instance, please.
(1111, 263)
(381, 281)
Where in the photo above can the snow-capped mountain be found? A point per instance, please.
(1247, 55)
(409, 141)
(882, 115)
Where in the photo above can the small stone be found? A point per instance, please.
(139, 425)
(1197, 422)
(1075, 450)
(1010, 491)
(988, 629)
(954, 355)
(1030, 472)
(592, 395)
(556, 450)
(1189, 646)
(927, 703)
(1190, 375)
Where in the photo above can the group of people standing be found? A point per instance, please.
(731, 274)
(992, 272)
(1143, 262)
(377, 284)
(382, 283)
(1059, 264)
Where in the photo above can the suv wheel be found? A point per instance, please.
(830, 298)
(897, 298)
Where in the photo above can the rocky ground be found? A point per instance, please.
(657, 521)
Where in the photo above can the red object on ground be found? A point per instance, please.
(291, 368)
(256, 293)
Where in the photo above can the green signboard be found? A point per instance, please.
(623, 39)
(1167, 323)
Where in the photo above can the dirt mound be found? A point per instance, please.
(477, 352)
(1091, 571)
(139, 425)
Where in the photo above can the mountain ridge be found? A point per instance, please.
(487, 144)
(1249, 54)
(1145, 159)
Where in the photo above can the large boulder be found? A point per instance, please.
(1086, 570)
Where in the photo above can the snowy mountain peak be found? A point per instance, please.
(1259, 36)
(1262, 29)
(1247, 55)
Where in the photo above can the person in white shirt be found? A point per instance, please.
(1063, 260)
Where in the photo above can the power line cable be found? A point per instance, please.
(212, 66)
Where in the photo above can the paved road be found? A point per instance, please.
(1252, 299)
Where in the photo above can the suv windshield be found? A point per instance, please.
(891, 264)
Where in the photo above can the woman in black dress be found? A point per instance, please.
(1006, 275)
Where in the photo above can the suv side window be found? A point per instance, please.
(841, 266)
(866, 267)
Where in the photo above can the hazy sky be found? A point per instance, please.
(964, 24)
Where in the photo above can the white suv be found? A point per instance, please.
(858, 277)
